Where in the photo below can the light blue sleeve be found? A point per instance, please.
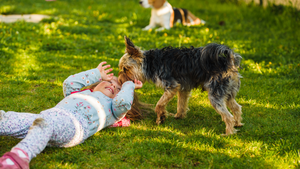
(123, 101)
(80, 80)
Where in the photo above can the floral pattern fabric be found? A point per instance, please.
(99, 110)
(74, 119)
(60, 128)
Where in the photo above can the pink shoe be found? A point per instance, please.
(11, 160)
(125, 122)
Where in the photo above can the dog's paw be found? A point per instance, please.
(171, 114)
(147, 28)
(230, 132)
(160, 120)
(161, 29)
(225, 135)
(179, 116)
(239, 125)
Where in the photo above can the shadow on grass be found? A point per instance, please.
(276, 130)
(153, 148)
(274, 127)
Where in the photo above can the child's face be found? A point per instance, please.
(109, 88)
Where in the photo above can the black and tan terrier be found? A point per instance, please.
(213, 67)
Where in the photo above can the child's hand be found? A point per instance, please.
(104, 73)
(138, 84)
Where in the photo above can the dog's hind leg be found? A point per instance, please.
(160, 108)
(182, 104)
(231, 103)
(236, 110)
(220, 106)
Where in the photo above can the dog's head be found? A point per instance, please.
(131, 63)
(152, 3)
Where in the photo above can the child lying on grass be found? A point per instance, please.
(78, 116)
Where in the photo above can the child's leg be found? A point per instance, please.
(37, 137)
(16, 124)
(55, 128)
(35, 141)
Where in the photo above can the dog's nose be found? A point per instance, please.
(141, 2)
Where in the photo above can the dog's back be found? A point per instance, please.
(190, 67)
(179, 70)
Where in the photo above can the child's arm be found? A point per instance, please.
(86, 78)
(123, 101)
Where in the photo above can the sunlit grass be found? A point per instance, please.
(36, 58)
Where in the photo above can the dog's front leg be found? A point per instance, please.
(165, 22)
(148, 27)
(182, 104)
(160, 29)
(152, 23)
(160, 108)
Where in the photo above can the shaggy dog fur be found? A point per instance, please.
(213, 67)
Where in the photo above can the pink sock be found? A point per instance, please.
(21, 153)
(16, 158)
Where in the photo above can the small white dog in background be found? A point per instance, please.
(165, 16)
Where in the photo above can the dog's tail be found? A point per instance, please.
(218, 58)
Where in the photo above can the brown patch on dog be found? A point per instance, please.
(195, 20)
(131, 49)
(220, 106)
(131, 63)
(157, 3)
(160, 108)
(193, 17)
(182, 14)
(172, 19)
(236, 109)
(182, 102)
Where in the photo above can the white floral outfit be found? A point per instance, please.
(74, 119)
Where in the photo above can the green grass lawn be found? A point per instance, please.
(36, 58)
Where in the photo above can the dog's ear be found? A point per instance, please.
(158, 3)
(128, 42)
(130, 48)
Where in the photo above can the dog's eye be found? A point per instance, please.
(124, 69)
